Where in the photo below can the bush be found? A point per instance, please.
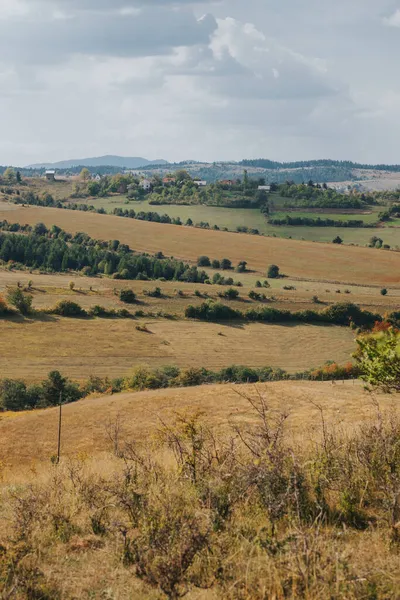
(258, 284)
(21, 301)
(226, 264)
(273, 272)
(65, 308)
(203, 261)
(384, 292)
(230, 294)
(127, 296)
(337, 240)
(242, 267)
(216, 264)
(156, 293)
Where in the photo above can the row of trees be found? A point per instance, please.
(58, 251)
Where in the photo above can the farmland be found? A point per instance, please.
(296, 259)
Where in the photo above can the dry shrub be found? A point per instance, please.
(246, 514)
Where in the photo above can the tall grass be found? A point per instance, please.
(241, 514)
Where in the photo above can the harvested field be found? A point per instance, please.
(296, 258)
(28, 438)
(104, 347)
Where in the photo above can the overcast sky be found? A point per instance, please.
(180, 79)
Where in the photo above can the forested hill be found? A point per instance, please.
(264, 163)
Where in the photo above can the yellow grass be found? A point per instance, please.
(102, 347)
(306, 260)
(32, 437)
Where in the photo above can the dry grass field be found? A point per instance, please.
(305, 260)
(27, 439)
(104, 347)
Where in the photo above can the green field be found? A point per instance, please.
(231, 218)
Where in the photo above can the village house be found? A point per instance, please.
(264, 188)
(146, 184)
(168, 180)
(228, 182)
(200, 183)
(50, 175)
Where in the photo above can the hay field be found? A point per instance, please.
(295, 258)
(29, 438)
(108, 347)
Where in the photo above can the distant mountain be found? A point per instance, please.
(109, 161)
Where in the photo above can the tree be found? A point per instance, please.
(337, 240)
(273, 272)
(203, 261)
(379, 361)
(21, 301)
(57, 386)
(226, 264)
(216, 264)
(85, 174)
(242, 267)
(9, 176)
(18, 177)
(127, 296)
(40, 229)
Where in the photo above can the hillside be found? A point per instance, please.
(296, 259)
(124, 162)
(84, 423)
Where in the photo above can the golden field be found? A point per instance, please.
(296, 259)
(85, 422)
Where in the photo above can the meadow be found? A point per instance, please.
(231, 218)
(303, 259)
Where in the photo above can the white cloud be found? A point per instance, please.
(393, 20)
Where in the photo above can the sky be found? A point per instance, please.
(180, 79)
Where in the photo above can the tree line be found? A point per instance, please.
(58, 251)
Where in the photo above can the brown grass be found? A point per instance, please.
(306, 260)
(84, 423)
(104, 347)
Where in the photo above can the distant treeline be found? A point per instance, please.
(306, 164)
(58, 251)
(318, 222)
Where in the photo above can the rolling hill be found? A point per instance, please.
(109, 160)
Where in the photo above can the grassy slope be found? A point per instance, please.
(296, 259)
(27, 438)
(111, 347)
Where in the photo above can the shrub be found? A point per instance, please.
(3, 306)
(273, 272)
(384, 292)
(203, 261)
(156, 293)
(65, 308)
(212, 311)
(216, 264)
(242, 267)
(128, 296)
(226, 264)
(337, 240)
(258, 284)
(230, 294)
(21, 301)
(71, 286)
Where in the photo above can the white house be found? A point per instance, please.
(96, 177)
(200, 183)
(50, 175)
(264, 188)
(146, 184)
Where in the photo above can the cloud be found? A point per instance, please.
(151, 31)
(393, 20)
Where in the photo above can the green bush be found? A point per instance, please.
(273, 272)
(127, 296)
(203, 261)
(21, 301)
(66, 308)
(384, 292)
